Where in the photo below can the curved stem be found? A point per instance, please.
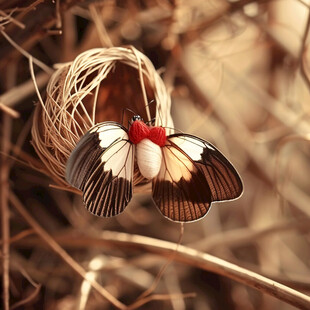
(183, 254)
(211, 263)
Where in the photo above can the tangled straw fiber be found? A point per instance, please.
(99, 85)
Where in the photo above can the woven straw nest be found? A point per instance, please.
(99, 85)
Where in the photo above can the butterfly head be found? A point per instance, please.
(136, 118)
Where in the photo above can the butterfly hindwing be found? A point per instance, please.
(101, 166)
(180, 190)
(192, 175)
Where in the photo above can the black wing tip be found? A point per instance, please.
(236, 191)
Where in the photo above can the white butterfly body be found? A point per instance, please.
(149, 157)
(187, 172)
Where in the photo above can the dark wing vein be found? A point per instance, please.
(193, 174)
(111, 190)
(101, 166)
(180, 190)
(224, 181)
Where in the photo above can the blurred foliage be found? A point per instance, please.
(238, 76)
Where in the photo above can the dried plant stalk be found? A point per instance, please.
(97, 86)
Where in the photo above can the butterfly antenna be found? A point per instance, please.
(123, 113)
(157, 111)
(151, 122)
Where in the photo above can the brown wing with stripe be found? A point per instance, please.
(193, 174)
(101, 166)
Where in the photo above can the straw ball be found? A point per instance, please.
(102, 84)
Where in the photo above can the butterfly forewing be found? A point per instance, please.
(101, 166)
(193, 174)
(223, 179)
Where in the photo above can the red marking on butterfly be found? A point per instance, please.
(187, 173)
(139, 131)
(158, 135)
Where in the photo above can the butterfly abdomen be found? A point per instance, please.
(148, 144)
(149, 156)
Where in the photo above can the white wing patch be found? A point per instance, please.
(115, 156)
(193, 148)
(109, 133)
(101, 166)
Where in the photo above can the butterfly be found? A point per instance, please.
(187, 173)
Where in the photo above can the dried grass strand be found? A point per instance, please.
(104, 37)
(27, 55)
(146, 293)
(28, 299)
(11, 112)
(302, 52)
(61, 252)
(245, 236)
(14, 95)
(211, 263)
(5, 219)
(191, 257)
(139, 303)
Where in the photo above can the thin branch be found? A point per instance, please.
(39, 63)
(193, 258)
(62, 253)
(18, 93)
(211, 263)
(20, 236)
(303, 70)
(141, 302)
(28, 299)
(5, 221)
(11, 112)
(245, 236)
(11, 19)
